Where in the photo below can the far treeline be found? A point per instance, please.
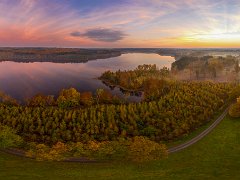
(56, 55)
(209, 67)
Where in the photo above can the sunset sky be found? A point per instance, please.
(120, 23)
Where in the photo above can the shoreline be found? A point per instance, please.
(104, 81)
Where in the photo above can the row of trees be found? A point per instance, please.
(137, 149)
(185, 107)
(69, 98)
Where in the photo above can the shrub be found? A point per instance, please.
(112, 150)
(137, 149)
(79, 150)
(42, 152)
(141, 149)
(85, 150)
(234, 110)
(9, 138)
(235, 92)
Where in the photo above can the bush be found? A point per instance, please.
(142, 149)
(79, 150)
(112, 150)
(9, 138)
(235, 92)
(42, 152)
(234, 110)
(137, 149)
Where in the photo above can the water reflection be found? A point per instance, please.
(23, 80)
(125, 92)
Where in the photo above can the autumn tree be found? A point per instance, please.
(155, 88)
(86, 99)
(41, 100)
(68, 98)
(234, 110)
(141, 149)
(8, 100)
(103, 96)
(99, 93)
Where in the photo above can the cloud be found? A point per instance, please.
(101, 34)
(76, 34)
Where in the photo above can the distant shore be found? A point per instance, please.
(56, 55)
(80, 55)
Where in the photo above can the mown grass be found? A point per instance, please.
(217, 156)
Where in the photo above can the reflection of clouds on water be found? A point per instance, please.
(130, 61)
(22, 80)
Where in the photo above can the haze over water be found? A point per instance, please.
(24, 80)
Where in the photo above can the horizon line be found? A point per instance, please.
(119, 47)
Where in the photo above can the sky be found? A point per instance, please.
(120, 23)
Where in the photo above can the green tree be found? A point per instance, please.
(9, 138)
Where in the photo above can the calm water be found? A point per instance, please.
(23, 80)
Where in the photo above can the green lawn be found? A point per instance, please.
(217, 156)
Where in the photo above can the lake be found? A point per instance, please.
(24, 80)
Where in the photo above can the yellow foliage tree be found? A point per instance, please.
(68, 98)
(234, 110)
(141, 149)
(44, 153)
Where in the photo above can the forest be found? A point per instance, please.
(184, 108)
(169, 110)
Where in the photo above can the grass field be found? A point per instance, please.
(217, 156)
